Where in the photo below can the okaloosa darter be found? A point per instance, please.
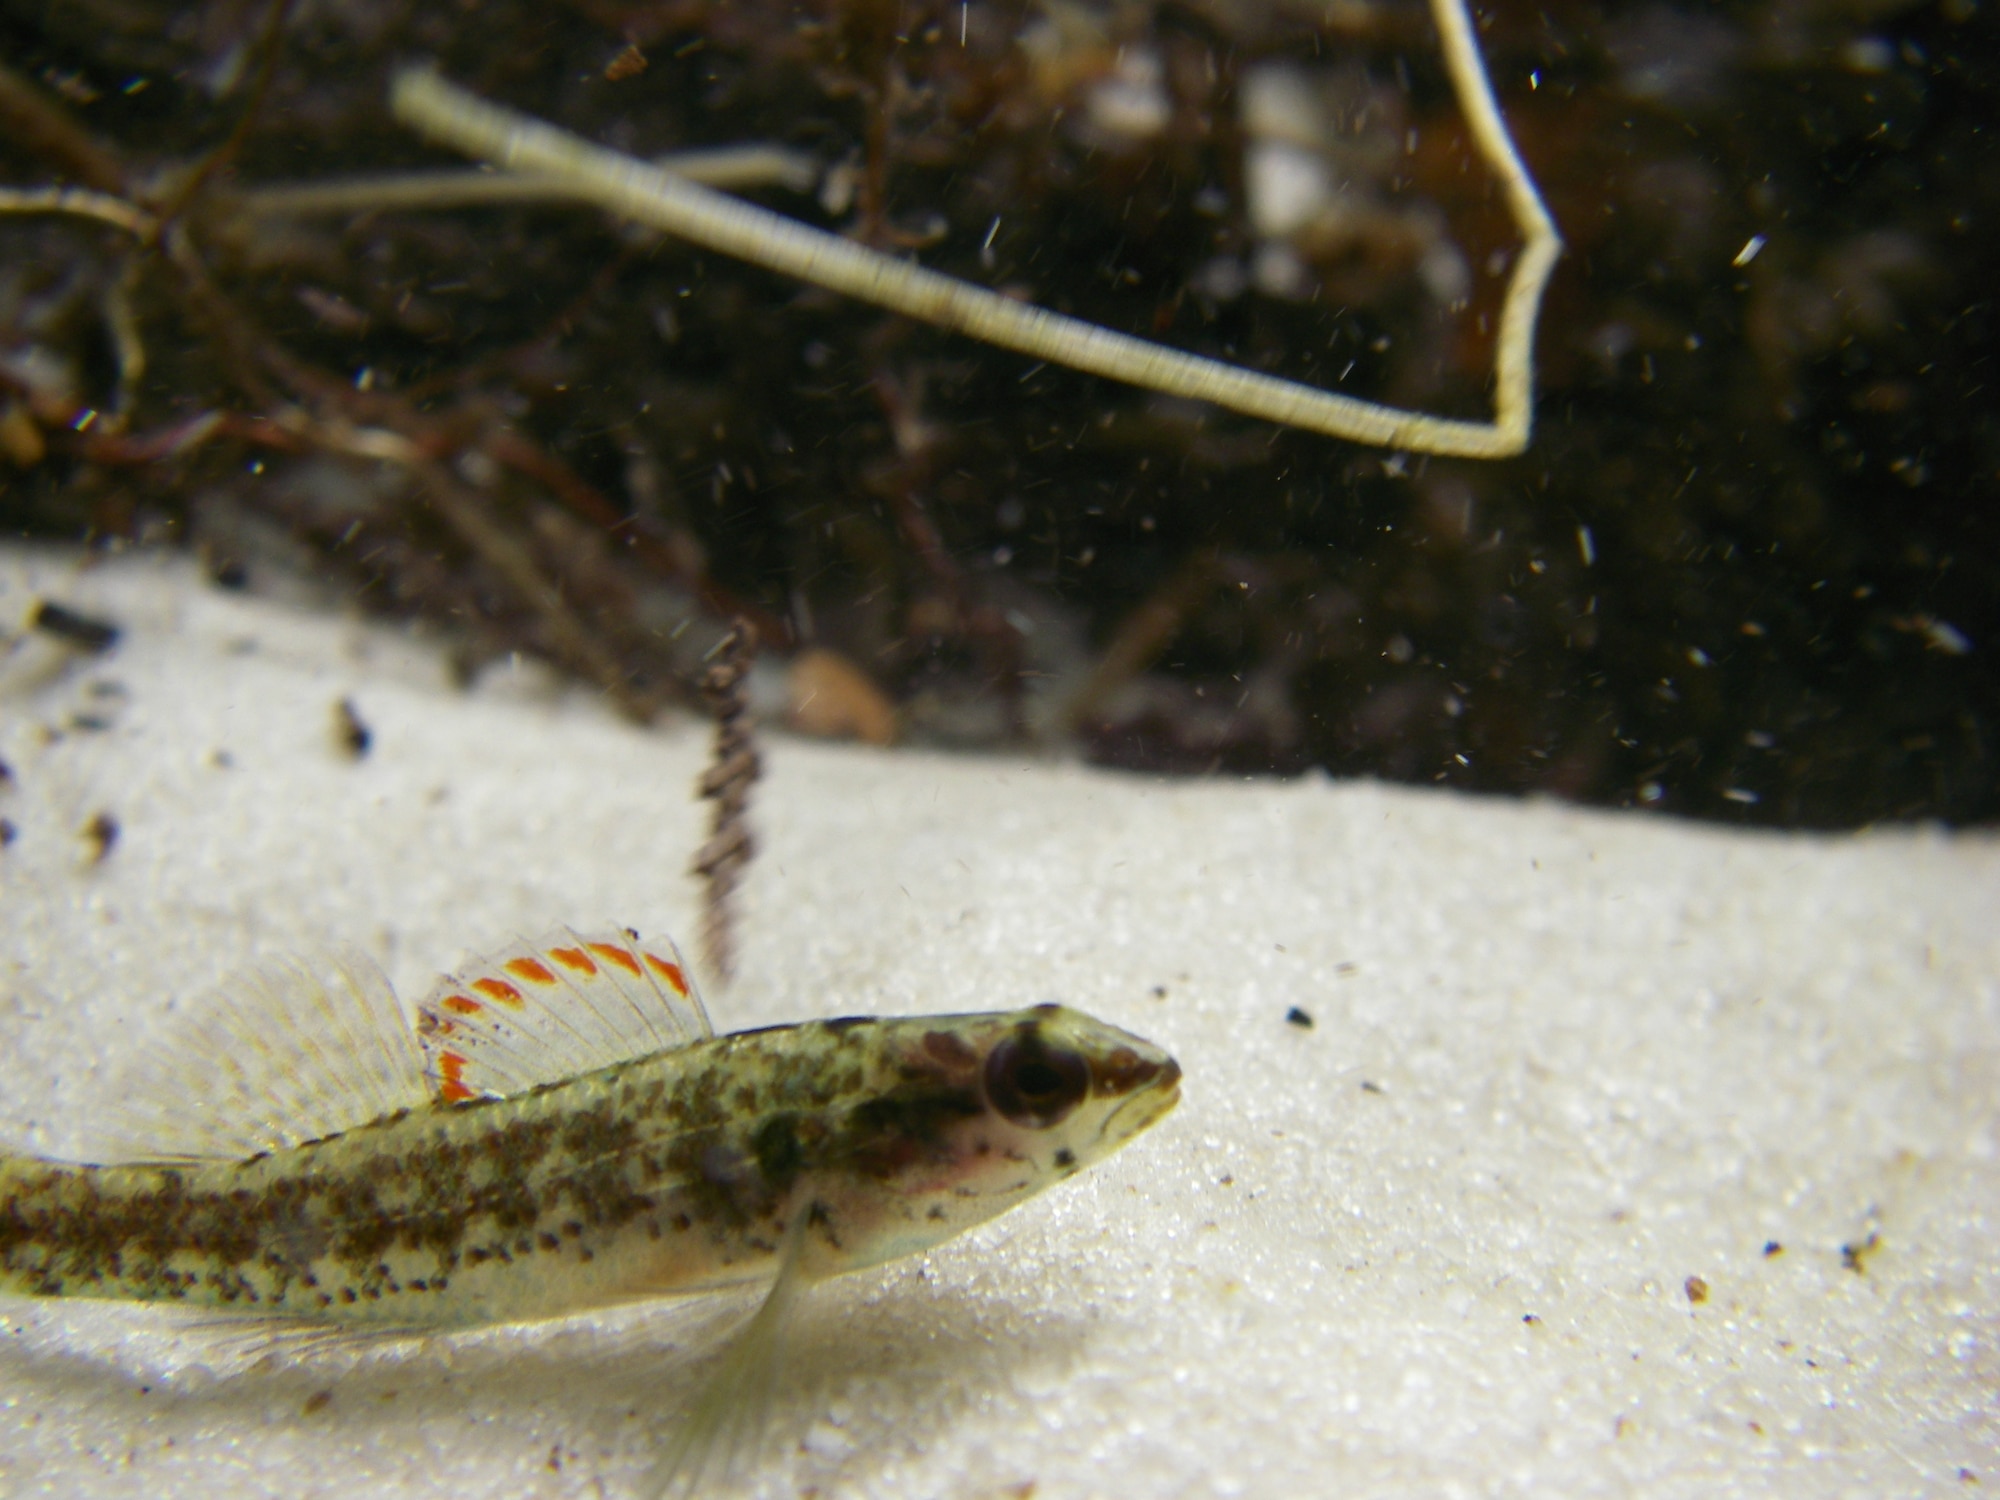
(562, 1130)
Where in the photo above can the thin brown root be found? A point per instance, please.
(732, 770)
(1141, 637)
(37, 123)
(270, 42)
(467, 514)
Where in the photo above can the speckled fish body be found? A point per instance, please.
(679, 1171)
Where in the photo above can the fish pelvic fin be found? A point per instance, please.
(717, 1439)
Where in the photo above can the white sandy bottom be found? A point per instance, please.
(1440, 1242)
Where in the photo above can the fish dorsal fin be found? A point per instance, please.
(545, 1011)
(296, 1051)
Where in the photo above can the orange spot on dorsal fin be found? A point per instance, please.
(498, 989)
(531, 969)
(575, 959)
(671, 972)
(619, 956)
(451, 1087)
(465, 1005)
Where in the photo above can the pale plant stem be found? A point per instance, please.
(81, 203)
(732, 167)
(637, 190)
(543, 162)
(1514, 351)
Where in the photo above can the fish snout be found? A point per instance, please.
(1124, 1071)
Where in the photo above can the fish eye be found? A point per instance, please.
(1032, 1083)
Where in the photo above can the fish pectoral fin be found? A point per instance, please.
(719, 1435)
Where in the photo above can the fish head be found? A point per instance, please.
(980, 1112)
(1060, 1081)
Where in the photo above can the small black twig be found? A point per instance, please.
(727, 781)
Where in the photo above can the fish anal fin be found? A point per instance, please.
(259, 1340)
(541, 1012)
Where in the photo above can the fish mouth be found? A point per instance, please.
(1146, 1104)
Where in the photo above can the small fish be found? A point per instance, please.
(562, 1130)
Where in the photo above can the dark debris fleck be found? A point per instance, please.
(350, 731)
(73, 627)
(101, 835)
